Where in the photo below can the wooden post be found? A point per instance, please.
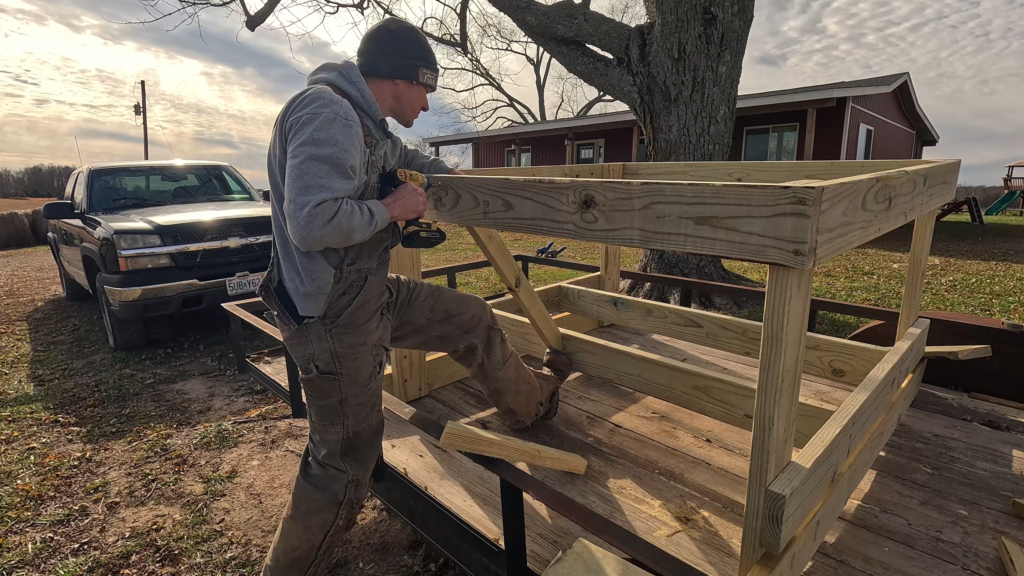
(812, 116)
(636, 142)
(408, 367)
(519, 161)
(917, 265)
(786, 308)
(611, 256)
(569, 156)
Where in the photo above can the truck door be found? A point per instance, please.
(71, 235)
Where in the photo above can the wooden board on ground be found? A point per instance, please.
(459, 436)
(586, 559)
(1012, 555)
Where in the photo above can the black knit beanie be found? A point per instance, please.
(394, 48)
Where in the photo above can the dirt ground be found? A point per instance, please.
(158, 461)
(22, 203)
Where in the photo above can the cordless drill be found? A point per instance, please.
(416, 233)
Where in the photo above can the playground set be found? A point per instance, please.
(690, 442)
(1013, 191)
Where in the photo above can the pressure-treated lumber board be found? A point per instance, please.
(564, 171)
(832, 358)
(1017, 506)
(586, 559)
(858, 209)
(439, 370)
(766, 172)
(459, 436)
(794, 495)
(408, 367)
(611, 263)
(1012, 555)
(846, 479)
(550, 295)
(786, 309)
(726, 398)
(518, 285)
(254, 320)
(917, 267)
(762, 223)
(966, 352)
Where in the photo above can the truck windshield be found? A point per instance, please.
(143, 186)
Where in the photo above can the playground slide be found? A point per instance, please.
(1004, 201)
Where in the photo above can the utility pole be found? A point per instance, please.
(145, 124)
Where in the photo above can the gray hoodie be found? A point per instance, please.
(322, 201)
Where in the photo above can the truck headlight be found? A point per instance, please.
(145, 262)
(130, 241)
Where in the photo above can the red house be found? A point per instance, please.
(874, 118)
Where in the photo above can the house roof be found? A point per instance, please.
(866, 86)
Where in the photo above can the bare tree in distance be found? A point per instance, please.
(678, 71)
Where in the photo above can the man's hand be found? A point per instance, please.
(457, 172)
(408, 201)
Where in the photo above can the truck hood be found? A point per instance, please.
(160, 219)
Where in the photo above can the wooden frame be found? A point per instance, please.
(790, 215)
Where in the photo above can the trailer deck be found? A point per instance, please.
(935, 501)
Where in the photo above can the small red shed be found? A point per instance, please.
(873, 118)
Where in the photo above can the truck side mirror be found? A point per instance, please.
(264, 194)
(60, 210)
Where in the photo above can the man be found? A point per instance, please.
(338, 309)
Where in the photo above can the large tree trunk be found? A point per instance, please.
(686, 68)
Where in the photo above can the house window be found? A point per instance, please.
(590, 152)
(865, 139)
(524, 156)
(770, 143)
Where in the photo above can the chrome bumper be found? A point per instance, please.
(116, 295)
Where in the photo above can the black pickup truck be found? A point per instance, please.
(155, 238)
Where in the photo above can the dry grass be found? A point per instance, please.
(7, 204)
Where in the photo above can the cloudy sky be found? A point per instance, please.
(69, 68)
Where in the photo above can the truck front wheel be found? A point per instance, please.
(121, 334)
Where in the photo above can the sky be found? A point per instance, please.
(69, 68)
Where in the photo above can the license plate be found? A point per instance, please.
(244, 284)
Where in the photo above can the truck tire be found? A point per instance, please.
(72, 290)
(121, 334)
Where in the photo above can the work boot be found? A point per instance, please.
(556, 370)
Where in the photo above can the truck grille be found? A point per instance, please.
(197, 235)
(219, 254)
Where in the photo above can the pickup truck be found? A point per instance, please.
(154, 238)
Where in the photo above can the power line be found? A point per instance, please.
(158, 125)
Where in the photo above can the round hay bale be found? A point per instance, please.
(16, 229)
(40, 226)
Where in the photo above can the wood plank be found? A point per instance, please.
(408, 367)
(660, 508)
(549, 294)
(1017, 506)
(253, 320)
(786, 309)
(591, 560)
(440, 370)
(459, 436)
(812, 117)
(611, 264)
(796, 493)
(471, 492)
(847, 477)
(726, 398)
(859, 209)
(763, 172)
(917, 267)
(961, 406)
(997, 401)
(1012, 555)
(518, 285)
(966, 352)
(762, 223)
(825, 356)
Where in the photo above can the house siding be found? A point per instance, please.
(828, 131)
(550, 150)
(886, 105)
(890, 142)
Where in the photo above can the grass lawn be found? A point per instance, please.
(973, 269)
